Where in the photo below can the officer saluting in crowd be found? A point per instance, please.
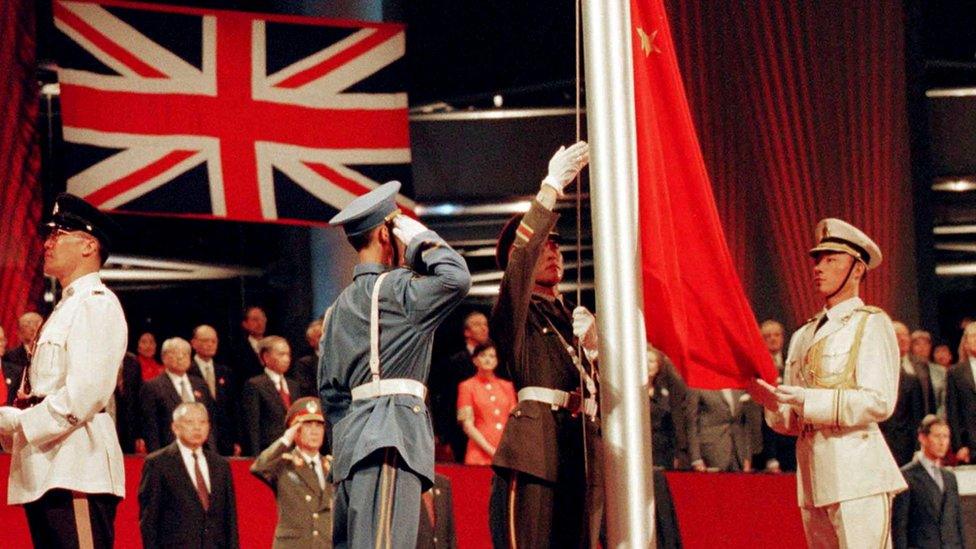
(549, 500)
(66, 467)
(375, 358)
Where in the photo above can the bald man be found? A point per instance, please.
(27, 326)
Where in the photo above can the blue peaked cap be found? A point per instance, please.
(369, 210)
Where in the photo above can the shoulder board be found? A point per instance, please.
(870, 309)
(98, 292)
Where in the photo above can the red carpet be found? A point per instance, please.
(714, 510)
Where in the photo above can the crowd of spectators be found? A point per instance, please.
(248, 396)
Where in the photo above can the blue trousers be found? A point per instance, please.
(377, 505)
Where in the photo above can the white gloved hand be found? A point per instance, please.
(289, 437)
(584, 328)
(565, 165)
(9, 420)
(407, 228)
(790, 394)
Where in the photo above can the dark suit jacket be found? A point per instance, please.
(722, 437)
(961, 406)
(170, 512)
(127, 403)
(247, 364)
(226, 406)
(921, 368)
(669, 425)
(17, 355)
(445, 376)
(923, 516)
(159, 398)
(441, 533)
(901, 429)
(305, 371)
(13, 373)
(264, 412)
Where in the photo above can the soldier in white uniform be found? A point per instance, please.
(66, 469)
(841, 379)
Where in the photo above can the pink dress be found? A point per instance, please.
(491, 402)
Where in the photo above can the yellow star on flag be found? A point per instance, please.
(647, 42)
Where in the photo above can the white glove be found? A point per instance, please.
(9, 420)
(565, 165)
(790, 394)
(407, 228)
(584, 328)
(289, 437)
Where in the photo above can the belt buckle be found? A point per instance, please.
(574, 403)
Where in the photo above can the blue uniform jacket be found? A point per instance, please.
(412, 304)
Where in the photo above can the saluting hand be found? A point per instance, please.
(565, 165)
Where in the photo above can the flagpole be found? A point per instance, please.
(611, 127)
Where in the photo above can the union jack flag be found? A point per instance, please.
(230, 115)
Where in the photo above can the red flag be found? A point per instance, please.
(695, 308)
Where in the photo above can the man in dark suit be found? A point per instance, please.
(444, 379)
(778, 451)
(917, 366)
(186, 495)
(27, 326)
(12, 372)
(909, 410)
(267, 397)
(162, 394)
(220, 385)
(125, 404)
(246, 359)
(305, 370)
(723, 430)
(961, 397)
(928, 514)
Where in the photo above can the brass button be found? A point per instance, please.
(499, 426)
(308, 498)
(315, 532)
(497, 411)
(518, 413)
(416, 409)
(315, 515)
(493, 398)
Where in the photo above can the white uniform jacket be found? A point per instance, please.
(849, 368)
(67, 441)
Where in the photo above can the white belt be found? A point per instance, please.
(559, 399)
(385, 387)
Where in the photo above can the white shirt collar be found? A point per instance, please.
(177, 380)
(275, 377)
(202, 362)
(82, 283)
(843, 308)
(187, 455)
(926, 462)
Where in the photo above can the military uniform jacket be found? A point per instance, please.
(412, 305)
(304, 508)
(67, 441)
(534, 355)
(851, 386)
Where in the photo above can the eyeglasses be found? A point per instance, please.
(55, 233)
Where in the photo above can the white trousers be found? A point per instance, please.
(852, 524)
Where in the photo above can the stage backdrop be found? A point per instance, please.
(801, 112)
(21, 196)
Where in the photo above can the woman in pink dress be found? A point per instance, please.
(484, 402)
(146, 353)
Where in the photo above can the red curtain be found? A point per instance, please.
(21, 198)
(801, 113)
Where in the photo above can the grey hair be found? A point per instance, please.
(185, 407)
(174, 344)
(267, 343)
(963, 353)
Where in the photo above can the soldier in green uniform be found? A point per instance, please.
(541, 460)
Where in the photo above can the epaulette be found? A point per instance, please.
(98, 292)
(870, 309)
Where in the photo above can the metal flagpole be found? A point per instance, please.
(611, 128)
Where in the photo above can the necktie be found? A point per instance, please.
(823, 320)
(208, 376)
(936, 475)
(201, 484)
(186, 395)
(283, 393)
(318, 473)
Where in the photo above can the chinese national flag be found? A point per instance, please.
(695, 308)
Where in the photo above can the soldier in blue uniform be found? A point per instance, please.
(375, 357)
